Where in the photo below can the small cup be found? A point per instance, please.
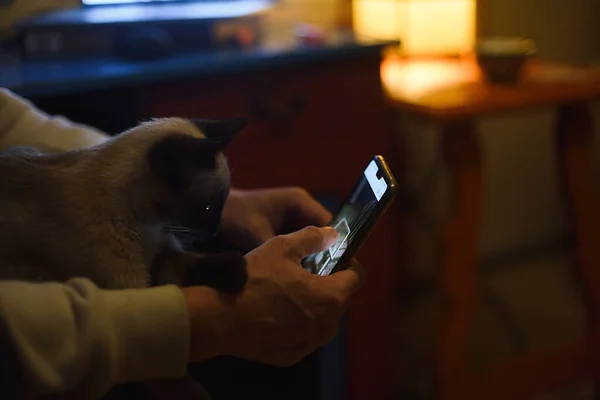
(502, 58)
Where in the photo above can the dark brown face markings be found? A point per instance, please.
(177, 159)
(160, 208)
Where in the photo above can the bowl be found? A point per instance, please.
(502, 59)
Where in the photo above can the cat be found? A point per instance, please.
(112, 212)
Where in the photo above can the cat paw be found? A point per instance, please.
(225, 272)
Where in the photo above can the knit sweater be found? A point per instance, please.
(73, 337)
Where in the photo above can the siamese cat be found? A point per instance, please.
(112, 212)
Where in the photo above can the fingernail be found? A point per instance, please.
(330, 236)
(329, 230)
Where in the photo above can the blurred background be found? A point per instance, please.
(326, 85)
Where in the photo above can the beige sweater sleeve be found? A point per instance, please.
(74, 337)
(79, 340)
(21, 124)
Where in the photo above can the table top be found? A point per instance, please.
(56, 77)
(455, 88)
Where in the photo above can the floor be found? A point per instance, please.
(528, 305)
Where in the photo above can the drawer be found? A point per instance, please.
(332, 90)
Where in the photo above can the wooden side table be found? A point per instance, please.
(453, 94)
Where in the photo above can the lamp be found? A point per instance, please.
(424, 27)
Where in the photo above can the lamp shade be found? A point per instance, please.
(424, 27)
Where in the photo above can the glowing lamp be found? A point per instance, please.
(424, 27)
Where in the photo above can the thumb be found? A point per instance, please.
(310, 240)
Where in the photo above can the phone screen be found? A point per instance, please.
(353, 215)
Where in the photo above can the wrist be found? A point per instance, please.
(208, 322)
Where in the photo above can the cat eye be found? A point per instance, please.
(208, 208)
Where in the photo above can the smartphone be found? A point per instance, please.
(370, 197)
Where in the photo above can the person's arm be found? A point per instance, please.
(77, 339)
(22, 124)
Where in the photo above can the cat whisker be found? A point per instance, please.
(180, 229)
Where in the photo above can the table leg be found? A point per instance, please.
(575, 131)
(459, 278)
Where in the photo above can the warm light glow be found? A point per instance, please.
(419, 78)
(425, 27)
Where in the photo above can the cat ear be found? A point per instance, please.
(176, 160)
(220, 132)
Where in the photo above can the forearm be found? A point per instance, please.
(77, 339)
(21, 124)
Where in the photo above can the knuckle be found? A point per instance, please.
(335, 300)
(298, 191)
(281, 242)
(256, 231)
(254, 225)
(328, 300)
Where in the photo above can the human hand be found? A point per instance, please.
(251, 217)
(284, 312)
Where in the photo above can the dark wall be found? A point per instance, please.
(112, 111)
(566, 30)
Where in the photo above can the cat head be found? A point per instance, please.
(186, 178)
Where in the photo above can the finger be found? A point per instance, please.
(306, 208)
(262, 232)
(291, 357)
(328, 329)
(286, 355)
(357, 267)
(346, 283)
(255, 234)
(310, 240)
